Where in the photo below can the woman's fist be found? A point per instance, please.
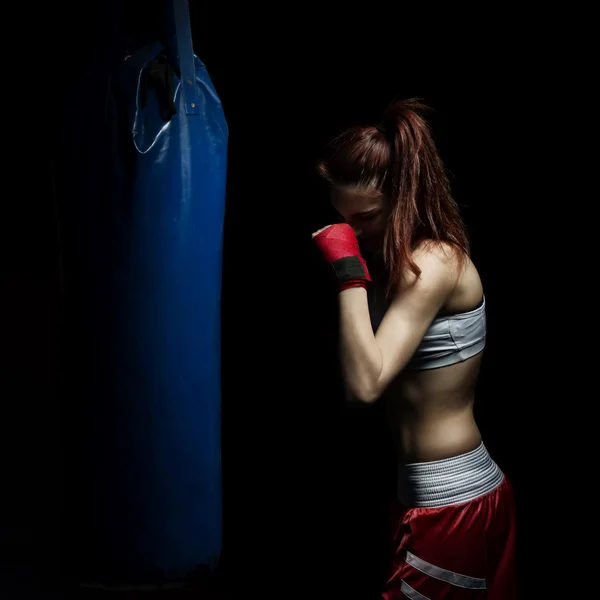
(339, 247)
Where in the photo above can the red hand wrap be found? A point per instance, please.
(339, 247)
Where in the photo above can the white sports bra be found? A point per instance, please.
(450, 339)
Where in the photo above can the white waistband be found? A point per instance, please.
(449, 481)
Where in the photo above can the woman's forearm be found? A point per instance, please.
(359, 352)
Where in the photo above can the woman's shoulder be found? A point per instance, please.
(439, 250)
(436, 260)
(447, 262)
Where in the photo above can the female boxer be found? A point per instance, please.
(412, 335)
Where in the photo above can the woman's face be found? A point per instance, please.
(367, 215)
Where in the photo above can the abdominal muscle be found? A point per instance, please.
(430, 412)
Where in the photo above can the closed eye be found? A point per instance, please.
(370, 216)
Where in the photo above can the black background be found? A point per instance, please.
(290, 77)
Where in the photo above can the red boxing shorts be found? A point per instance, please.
(453, 532)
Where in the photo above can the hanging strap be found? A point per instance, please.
(185, 52)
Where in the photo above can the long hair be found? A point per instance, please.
(398, 160)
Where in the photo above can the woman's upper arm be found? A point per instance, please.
(415, 305)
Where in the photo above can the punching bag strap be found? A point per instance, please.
(185, 52)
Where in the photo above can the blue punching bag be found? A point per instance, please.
(141, 186)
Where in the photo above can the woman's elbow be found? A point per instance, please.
(368, 398)
(364, 392)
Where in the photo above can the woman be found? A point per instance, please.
(412, 334)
